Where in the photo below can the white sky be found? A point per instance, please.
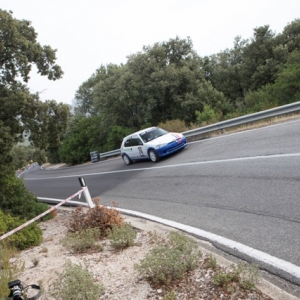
(91, 33)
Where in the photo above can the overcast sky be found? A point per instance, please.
(91, 33)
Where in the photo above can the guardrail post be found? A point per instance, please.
(86, 193)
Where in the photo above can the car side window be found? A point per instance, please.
(127, 143)
(136, 141)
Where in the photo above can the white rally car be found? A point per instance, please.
(151, 143)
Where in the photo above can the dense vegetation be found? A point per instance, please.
(22, 115)
(168, 81)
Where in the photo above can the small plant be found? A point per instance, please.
(188, 247)
(170, 261)
(223, 278)
(249, 275)
(81, 240)
(170, 296)
(212, 262)
(75, 283)
(100, 217)
(122, 237)
(245, 275)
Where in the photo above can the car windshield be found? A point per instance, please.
(152, 134)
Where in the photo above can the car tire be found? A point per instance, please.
(126, 159)
(153, 156)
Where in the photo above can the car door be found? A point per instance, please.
(137, 147)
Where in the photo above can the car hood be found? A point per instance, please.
(167, 138)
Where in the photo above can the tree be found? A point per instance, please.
(19, 50)
(83, 136)
(223, 70)
(287, 85)
(22, 112)
(259, 64)
(162, 82)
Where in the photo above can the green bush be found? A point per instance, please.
(8, 271)
(82, 240)
(122, 236)
(75, 283)
(207, 116)
(244, 275)
(28, 236)
(17, 201)
(170, 261)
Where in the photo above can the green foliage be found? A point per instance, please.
(207, 116)
(8, 270)
(28, 236)
(261, 99)
(21, 111)
(22, 114)
(245, 275)
(212, 263)
(99, 217)
(171, 295)
(115, 137)
(287, 86)
(22, 155)
(83, 136)
(19, 49)
(122, 236)
(16, 200)
(82, 240)
(170, 261)
(75, 283)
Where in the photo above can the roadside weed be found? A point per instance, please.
(122, 236)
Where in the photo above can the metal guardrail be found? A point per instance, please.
(273, 112)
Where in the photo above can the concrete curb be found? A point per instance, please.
(208, 242)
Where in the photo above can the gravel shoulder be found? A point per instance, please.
(115, 270)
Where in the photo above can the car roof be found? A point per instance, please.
(140, 131)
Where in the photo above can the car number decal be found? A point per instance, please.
(141, 151)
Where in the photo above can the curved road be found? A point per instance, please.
(243, 186)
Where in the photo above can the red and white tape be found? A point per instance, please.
(41, 215)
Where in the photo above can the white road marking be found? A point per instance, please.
(179, 165)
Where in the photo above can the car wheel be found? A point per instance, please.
(126, 159)
(153, 156)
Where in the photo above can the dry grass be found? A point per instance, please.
(248, 126)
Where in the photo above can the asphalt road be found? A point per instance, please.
(243, 186)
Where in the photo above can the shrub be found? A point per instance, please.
(8, 271)
(75, 283)
(82, 240)
(100, 217)
(28, 236)
(174, 125)
(17, 201)
(170, 261)
(122, 236)
(245, 275)
(207, 116)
